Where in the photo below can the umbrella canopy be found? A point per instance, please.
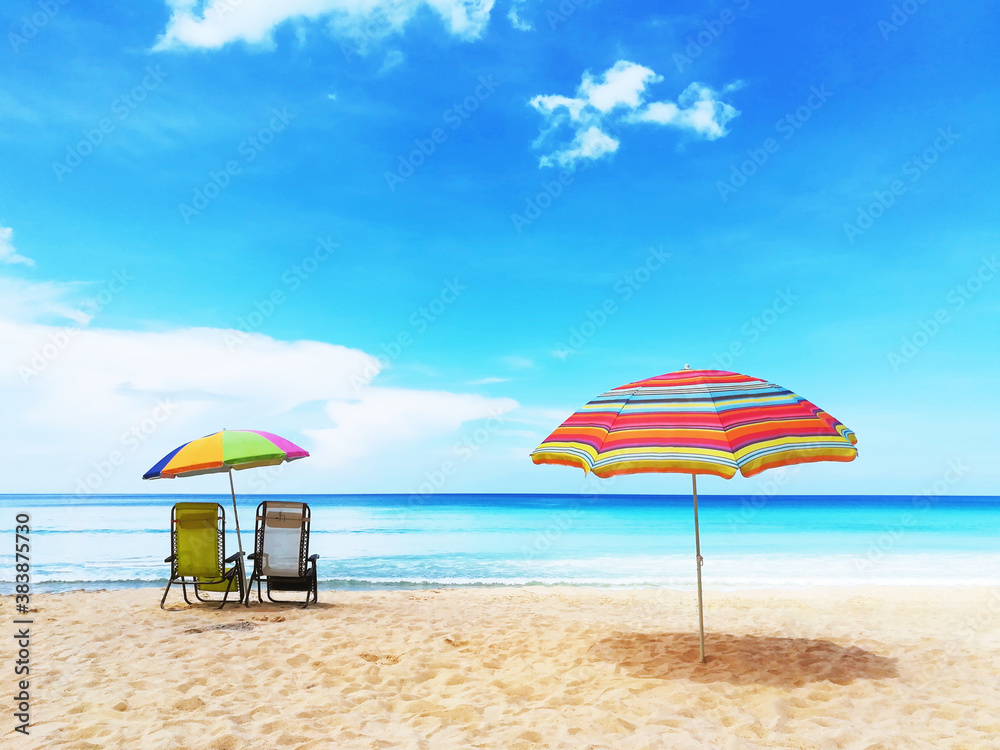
(225, 451)
(696, 422)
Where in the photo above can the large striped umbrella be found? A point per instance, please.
(696, 422)
(226, 451)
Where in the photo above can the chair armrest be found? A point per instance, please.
(234, 557)
(169, 559)
(252, 556)
(313, 558)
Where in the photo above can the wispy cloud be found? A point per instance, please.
(8, 254)
(517, 362)
(393, 59)
(216, 23)
(385, 419)
(617, 98)
(78, 394)
(488, 381)
(514, 16)
(28, 301)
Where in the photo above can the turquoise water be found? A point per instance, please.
(391, 541)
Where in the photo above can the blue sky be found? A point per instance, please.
(802, 194)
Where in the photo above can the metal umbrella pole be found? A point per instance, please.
(700, 561)
(239, 538)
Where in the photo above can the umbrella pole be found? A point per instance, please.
(699, 561)
(236, 516)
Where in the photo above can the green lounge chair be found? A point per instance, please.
(281, 556)
(198, 553)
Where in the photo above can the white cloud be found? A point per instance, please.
(389, 420)
(219, 22)
(696, 109)
(591, 143)
(489, 381)
(618, 98)
(7, 252)
(30, 301)
(79, 398)
(622, 84)
(549, 105)
(81, 377)
(514, 16)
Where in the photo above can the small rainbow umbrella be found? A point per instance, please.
(226, 451)
(696, 422)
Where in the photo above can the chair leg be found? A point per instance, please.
(312, 591)
(308, 594)
(237, 576)
(198, 596)
(253, 574)
(165, 592)
(280, 601)
(225, 594)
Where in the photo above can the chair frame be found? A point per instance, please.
(237, 572)
(307, 582)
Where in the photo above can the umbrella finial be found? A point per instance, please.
(687, 367)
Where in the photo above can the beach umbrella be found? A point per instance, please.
(226, 451)
(696, 422)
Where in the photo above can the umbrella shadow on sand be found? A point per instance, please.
(744, 659)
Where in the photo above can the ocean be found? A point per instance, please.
(394, 541)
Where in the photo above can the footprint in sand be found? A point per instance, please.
(376, 659)
(239, 625)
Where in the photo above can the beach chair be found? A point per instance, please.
(198, 554)
(281, 558)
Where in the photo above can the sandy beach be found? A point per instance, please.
(532, 667)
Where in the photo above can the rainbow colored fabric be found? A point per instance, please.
(696, 422)
(222, 451)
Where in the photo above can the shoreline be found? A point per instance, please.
(520, 667)
(43, 588)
